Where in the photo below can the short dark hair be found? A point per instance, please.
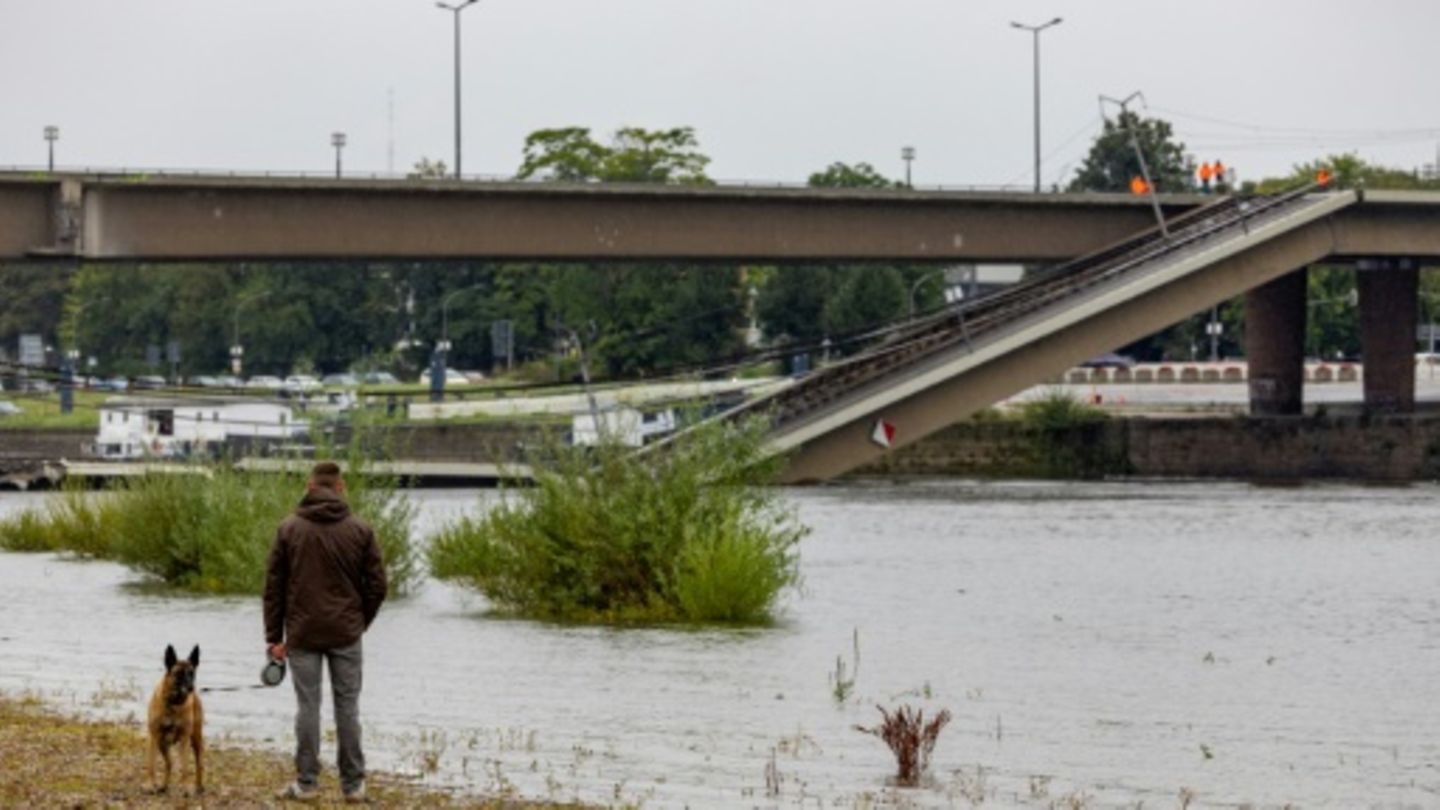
(325, 475)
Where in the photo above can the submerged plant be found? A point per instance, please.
(685, 532)
(910, 738)
(842, 682)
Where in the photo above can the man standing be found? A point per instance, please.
(323, 586)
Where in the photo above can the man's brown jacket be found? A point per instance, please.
(325, 579)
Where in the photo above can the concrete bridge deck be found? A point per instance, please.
(184, 218)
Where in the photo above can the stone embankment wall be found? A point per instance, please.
(1380, 448)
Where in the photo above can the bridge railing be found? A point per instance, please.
(41, 172)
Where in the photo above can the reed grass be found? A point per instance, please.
(689, 532)
(209, 531)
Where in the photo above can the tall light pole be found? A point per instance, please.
(237, 351)
(439, 363)
(907, 154)
(337, 140)
(1035, 31)
(52, 134)
(456, 9)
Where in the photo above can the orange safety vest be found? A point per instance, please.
(1219, 171)
(1323, 177)
(1206, 172)
(1138, 185)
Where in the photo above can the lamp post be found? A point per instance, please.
(439, 365)
(916, 286)
(1035, 32)
(337, 140)
(1213, 329)
(237, 351)
(455, 9)
(907, 154)
(52, 134)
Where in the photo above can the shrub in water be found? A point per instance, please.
(210, 531)
(684, 532)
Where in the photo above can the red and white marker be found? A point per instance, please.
(883, 434)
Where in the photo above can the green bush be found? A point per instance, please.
(686, 532)
(210, 531)
(1066, 438)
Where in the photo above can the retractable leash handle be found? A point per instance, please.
(273, 673)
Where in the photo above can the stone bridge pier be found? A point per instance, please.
(1275, 319)
(1389, 307)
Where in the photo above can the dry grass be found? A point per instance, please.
(48, 760)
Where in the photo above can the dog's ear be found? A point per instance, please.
(170, 657)
(195, 656)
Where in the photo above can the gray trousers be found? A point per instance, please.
(345, 677)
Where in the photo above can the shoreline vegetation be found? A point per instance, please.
(49, 759)
(209, 532)
(688, 532)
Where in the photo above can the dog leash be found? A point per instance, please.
(208, 689)
(270, 676)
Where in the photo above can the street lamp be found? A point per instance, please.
(916, 286)
(1035, 31)
(907, 154)
(439, 366)
(456, 9)
(337, 140)
(237, 351)
(52, 134)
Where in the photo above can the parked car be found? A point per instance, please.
(475, 377)
(116, 384)
(206, 381)
(1110, 360)
(301, 382)
(381, 378)
(340, 381)
(230, 381)
(150, 382)
(265, 382)
(452, 377)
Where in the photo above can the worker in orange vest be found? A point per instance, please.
(1219, 171)
(1138, 185)
(1205, 174)
(1322, 177)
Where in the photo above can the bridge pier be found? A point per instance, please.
(1389, 297)
(1275, 345)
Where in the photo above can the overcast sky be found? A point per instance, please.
(775, 89)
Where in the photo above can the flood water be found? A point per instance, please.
(1112, 643)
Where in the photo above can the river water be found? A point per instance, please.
(1098, 644)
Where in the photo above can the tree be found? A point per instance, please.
(31, 300)
(634, 155)
(844, 175)
(1347, 171)
(427, 169)
(1112, 162)
(865, 297)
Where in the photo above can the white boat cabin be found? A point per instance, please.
(179, 427)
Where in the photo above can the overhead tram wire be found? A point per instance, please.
(1089, 127)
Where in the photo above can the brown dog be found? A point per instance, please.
(176, 717)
